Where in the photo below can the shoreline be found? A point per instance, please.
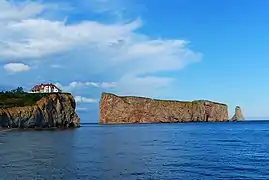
(35, 129)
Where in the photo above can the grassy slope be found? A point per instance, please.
(8, 99)
(11, 99)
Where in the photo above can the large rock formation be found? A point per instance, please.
(238, 116)
(52, 110)
(115, 109)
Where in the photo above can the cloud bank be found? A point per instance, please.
(80, 99)
(117, 53)
(16, 67)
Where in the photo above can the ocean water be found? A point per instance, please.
(141, 151)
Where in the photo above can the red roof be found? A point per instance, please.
(41, 86)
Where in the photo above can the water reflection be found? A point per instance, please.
(35, 154)
(163, 151)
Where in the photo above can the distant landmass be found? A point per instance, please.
(114, 109)
(38, 109)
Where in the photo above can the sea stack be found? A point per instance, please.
(115, 109)
(238, 116)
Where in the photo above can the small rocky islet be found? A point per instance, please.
(238, 115)
(58, 110)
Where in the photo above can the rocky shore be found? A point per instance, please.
(51, 111)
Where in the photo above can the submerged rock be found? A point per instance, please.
(238, 116)
(117, 109)
(51, 111)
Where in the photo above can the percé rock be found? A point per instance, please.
(115, 109)
(238, 116)
(51, 111)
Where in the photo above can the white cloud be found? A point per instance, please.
(80, 99)
(115, 50)
(107, 84)
(40, 37)
(142, 86)
(18, 11)
(75, 84)
(16, 67)
(82, 109)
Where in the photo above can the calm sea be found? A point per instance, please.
(141, 151)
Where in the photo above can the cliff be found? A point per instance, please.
(238, 116)
(38, 111)
(115, 109)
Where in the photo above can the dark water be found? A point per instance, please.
(152, 151)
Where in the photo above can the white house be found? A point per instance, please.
(45, 88)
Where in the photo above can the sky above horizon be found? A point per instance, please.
(173, 49)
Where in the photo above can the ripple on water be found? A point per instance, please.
(172, 151)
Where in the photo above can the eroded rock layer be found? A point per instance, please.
(115, 109)
(52, 110)
(238, 115)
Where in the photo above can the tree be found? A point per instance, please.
(17, 90)
(20, 90)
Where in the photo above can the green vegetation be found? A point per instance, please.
(17, 97)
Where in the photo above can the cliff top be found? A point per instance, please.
(19, 98)
(145, 98)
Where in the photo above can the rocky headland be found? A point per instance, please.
(115, 109)
(238, 115)
(30, 110)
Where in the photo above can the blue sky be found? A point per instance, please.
(173, 49)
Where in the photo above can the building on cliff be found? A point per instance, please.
(45, 88)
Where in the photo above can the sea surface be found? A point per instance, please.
(142, 151)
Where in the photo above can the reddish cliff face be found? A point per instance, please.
(52, 110)
(114, 109)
